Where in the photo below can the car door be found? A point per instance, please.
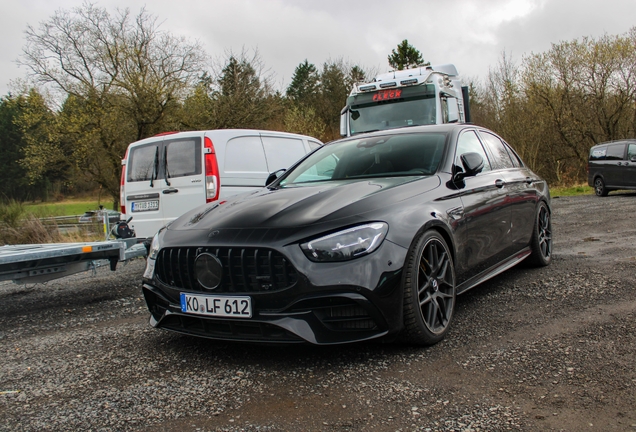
(613, 165)
(482, 233)
(520, 194)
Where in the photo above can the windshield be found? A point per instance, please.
(381, 156)
(392, 114)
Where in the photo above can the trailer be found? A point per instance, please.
(34, 263)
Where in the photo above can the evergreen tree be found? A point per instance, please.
(305, 84)
(406, 56)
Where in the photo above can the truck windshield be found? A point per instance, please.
(392, 114)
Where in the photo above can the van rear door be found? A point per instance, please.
(182, 181)
(142, 188)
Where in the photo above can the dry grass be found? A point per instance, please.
(17, 226)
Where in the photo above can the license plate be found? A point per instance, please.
(217, 306)
(139, 206)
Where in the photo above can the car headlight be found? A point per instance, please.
(347, 244)
(155, 246)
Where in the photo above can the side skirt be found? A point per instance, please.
(494, 270)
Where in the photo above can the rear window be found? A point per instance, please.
(143, 162)
(183, 157)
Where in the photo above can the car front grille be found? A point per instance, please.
(245, 270)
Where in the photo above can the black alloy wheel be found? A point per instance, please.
(541, 244)
(429, 290)
(599, 187)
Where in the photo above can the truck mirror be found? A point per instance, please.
(344, 126)
(453, 110)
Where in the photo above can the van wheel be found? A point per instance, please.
(599, 187)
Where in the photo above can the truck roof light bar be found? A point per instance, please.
(409, 81)
(367, 88)
(389, 84)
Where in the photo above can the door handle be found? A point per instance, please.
(170, 191)
(499, 183)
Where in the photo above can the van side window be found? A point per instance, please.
(141, 162)
(282, 152)
(502, 158)
(631, 153)
(615, 152)
(467, 143)
(598, 153)
(245, 154)
(184, 157)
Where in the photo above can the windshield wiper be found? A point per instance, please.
(155, 168)
(166, 173)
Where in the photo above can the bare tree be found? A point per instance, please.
(125, 75)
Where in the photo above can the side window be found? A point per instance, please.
(467, 143)
(183, 157)
(142, 162)
(516, 160)
(245, 154)
(631, 153)
(615, 152)
(498, 150)
(598, 153)
(282, 152)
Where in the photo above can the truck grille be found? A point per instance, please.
(245, 270)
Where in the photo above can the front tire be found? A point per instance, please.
(599, 187)
(541, 243)
(429, 290)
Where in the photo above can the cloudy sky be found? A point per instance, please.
(469, 33)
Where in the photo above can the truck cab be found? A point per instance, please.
(412, 97)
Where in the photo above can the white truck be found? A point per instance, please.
(412, 97)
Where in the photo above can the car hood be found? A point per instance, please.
(304, 205)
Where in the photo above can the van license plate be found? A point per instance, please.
(140, 206)
(217, 306)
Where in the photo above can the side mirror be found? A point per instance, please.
(473, 164)
(274, 176)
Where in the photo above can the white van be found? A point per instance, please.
(169, 174)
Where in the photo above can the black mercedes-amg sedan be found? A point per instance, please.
(365, 238)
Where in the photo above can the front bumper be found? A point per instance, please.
(328, 303)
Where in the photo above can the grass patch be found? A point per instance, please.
(571, 190)
(62, 208)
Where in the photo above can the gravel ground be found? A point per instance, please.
(533, 349)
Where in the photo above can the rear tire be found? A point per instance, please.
(429, 290)
(541, 243)
(599, 187)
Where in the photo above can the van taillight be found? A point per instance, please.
(212, 183)
(122, 194)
